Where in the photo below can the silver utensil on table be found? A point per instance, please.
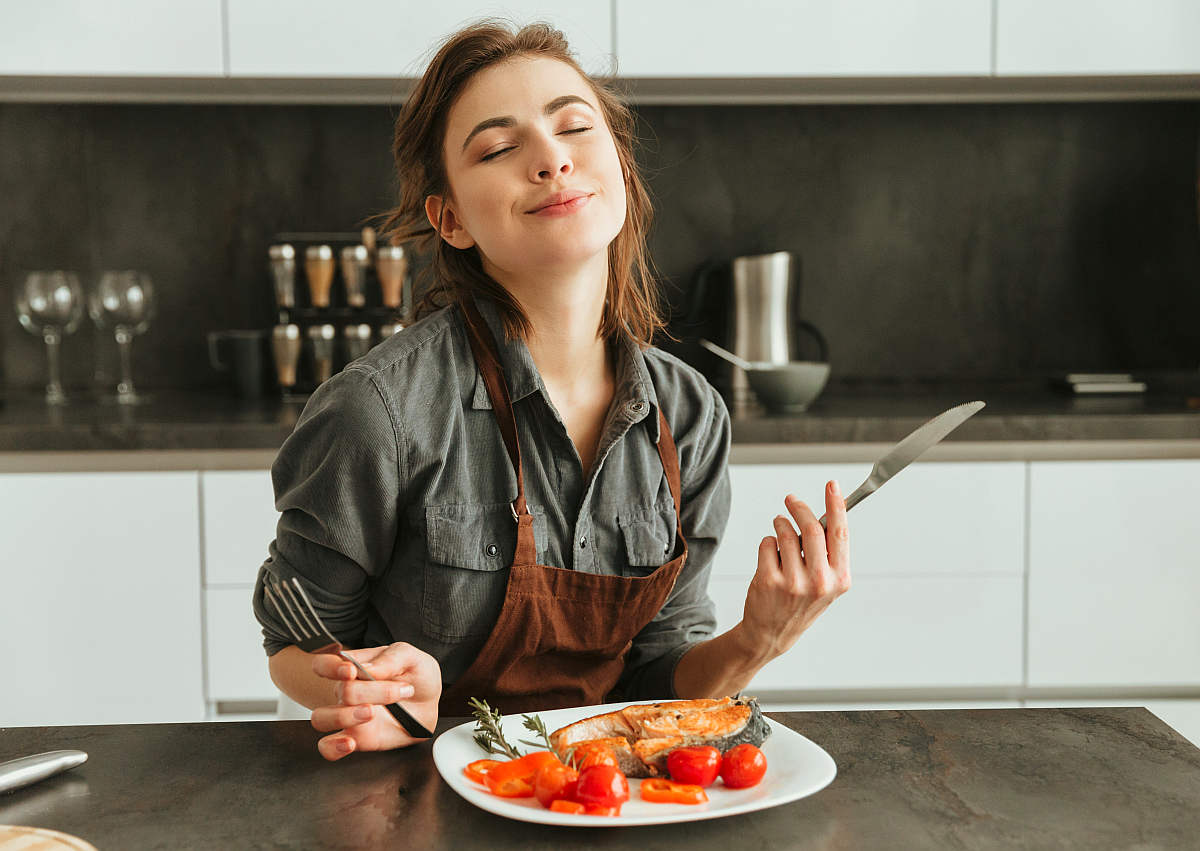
(25, 770)
(312, 636)
(911, 448)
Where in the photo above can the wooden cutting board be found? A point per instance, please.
(18, 838)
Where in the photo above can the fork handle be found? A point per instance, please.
(411, 725)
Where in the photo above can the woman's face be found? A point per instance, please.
(535, 181)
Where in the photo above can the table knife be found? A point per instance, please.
(910, 449)
(30, 769)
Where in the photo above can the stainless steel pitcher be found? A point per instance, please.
(764, 321)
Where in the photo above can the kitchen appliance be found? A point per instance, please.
(756, 301)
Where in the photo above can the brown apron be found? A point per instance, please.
(562, 635)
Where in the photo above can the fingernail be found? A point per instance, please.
(344, 746)
(363, 713)
(834, 488)
(406, 691)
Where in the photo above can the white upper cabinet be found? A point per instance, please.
(131, 37)
(1094, 37)
(785, 38)
(385, 38)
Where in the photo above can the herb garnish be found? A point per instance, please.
(534, 724)
(488, 734)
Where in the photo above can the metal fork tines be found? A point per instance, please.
(291, 602)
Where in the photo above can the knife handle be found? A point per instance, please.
(411, 725)
(17, 773)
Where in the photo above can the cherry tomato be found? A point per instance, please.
(553, 782)
(603, 786)
(593, 753)
(742, 766)
(697, 766)
(564, 806)
(597, 810)
(479, 768)
(658, 790)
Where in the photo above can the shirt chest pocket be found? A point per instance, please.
(649, 538)
(469, 550)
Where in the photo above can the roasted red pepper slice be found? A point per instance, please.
(479, 769)
(658, 790)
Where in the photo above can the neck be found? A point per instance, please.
(565, 312)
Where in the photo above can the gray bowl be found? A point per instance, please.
(788, 388)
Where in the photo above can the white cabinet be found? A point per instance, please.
(239, 522)
(937, 565)
(785, 38)
(1097, 37)
(125, 37)
(383, 38)
(101, 598)
(1114, 574)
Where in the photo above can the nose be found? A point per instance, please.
(551, 159)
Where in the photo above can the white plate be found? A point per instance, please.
(796, 767)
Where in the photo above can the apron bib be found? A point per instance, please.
(562, 635)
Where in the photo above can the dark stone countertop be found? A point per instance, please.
(964, 779)
(877, 413)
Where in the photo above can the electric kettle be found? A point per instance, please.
(760, 312)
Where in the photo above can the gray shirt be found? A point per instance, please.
(395, 490)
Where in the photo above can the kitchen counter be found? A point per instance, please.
(1045, 423)
(1046, 778)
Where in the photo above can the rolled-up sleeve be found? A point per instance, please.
(336, 481)
(689, 616)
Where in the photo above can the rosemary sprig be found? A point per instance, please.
(534, 724)
(488, 733)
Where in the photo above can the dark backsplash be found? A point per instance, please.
(947, 241)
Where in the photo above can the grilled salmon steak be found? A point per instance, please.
(642, 736)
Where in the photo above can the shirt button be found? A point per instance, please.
(492, 550)
(583, 542)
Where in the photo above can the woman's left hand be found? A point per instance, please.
(798, 576)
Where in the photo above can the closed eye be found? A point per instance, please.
(495, 154)
(576, 130)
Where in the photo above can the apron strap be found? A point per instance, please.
(669, 456)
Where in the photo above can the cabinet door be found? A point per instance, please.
(239, 523)
(956, 519)
(126, 37)
(101, 602)
(1114, 573)
(817, 38)
(1097, 37)
(383, 38)
(899, 632)
(236, 663)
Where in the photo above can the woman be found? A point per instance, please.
(518, 498)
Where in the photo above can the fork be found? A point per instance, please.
(312, 636)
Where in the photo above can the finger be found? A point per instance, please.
(327, 719)
(837, 533)
(390, 661)
(332, 667)
(768, 561)
(790, 561)
(336, 746)
(381, 692)
(812, 534)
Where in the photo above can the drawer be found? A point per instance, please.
(899, 632)
(239, 523)
(235, 661)
(932, 518)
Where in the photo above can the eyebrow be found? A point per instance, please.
(508, 121)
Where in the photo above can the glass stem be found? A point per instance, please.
(54, 388)
(125, 345)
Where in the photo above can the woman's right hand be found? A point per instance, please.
(360, 721)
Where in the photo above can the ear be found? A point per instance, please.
(445, 223)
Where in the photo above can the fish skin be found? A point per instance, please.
(654, 730)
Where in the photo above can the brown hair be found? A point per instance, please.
(632, 304)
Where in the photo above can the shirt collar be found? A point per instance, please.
(634, 395)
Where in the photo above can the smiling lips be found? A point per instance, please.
(561, 204)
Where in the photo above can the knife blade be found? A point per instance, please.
(30, 769)
(910, 449)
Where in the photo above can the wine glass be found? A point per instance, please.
(50, 304)
(124, 302)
